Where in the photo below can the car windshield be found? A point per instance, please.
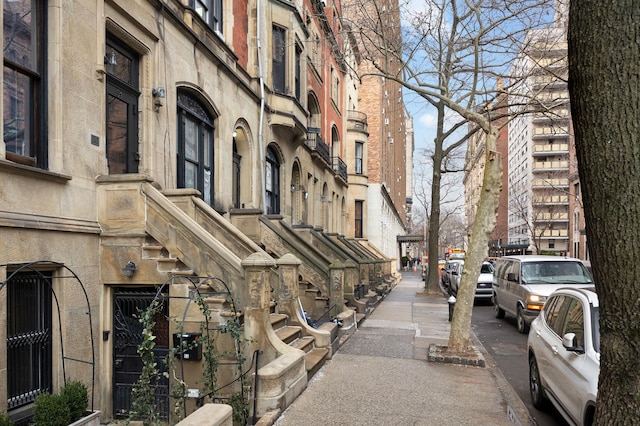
(555, 272)
(487, 268)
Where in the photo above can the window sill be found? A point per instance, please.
(21, 169)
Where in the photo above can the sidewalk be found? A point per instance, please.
(381, 375)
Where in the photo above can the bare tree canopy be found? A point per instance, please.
(604, 81)
(456, 57)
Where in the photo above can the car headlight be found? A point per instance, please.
(535, 302)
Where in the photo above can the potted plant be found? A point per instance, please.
(67, 408)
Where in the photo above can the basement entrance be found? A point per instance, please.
(128, 303)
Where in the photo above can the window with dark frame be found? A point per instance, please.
(29, 324)
(237, 170)
(211, 12)
(358, 218)
(279, 59)
(24, 87)
(272, 180)
(195, 147)
(122, 65)
(358, 157)
(298, 72)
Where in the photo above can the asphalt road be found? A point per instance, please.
(508, 348)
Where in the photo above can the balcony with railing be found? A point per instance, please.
(550, 148)
(541, 166)
(317, 145)
(553, 131)
(356, 120)
(340, 167)
(551, 233)
(551, 199)
(552, 217)
(550, 183)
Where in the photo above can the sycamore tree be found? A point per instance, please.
(604, 86)
(456, 57)
(450, 203)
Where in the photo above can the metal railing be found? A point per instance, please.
(340, 167)
(357, 120)
(317, 144)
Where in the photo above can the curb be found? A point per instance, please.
(517, 411)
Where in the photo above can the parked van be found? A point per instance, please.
(521, 284)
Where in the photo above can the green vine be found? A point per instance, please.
(143, 393)
(143, 405)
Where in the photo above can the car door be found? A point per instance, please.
(549, 335)
(512, 288)
(572, 384)
(500, 281)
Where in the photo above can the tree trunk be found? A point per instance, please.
(433, 277)
(604, 85)
(483, 225)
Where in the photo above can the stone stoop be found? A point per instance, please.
(292, 335)
(312, 299)
(166, 263)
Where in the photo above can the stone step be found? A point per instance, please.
(314, 360)
(288, 333)
(278, 320)
(304, 343)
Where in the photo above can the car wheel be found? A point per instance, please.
(520, 321)
(538, 398)
(499, 311)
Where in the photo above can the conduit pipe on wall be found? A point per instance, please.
(262, 104)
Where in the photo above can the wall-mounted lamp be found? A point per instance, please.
(293, 187)
(158, 92)
(234, 134)
(129, 269)
(110, 58)
(305, 194)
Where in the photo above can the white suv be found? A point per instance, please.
(521, 284)
(564, 354)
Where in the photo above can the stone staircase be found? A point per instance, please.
(314, 358)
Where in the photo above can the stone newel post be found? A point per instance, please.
(336, 287)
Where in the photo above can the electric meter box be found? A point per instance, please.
(188, 345)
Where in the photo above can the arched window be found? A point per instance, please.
(236, 178)
(272, 181)
(195, 146)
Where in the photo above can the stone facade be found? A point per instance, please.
(156, 139)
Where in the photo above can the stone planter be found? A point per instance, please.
(91, 419)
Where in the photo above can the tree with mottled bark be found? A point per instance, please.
(604, 86)
(450, 55)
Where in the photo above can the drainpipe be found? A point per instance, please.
(262, 104)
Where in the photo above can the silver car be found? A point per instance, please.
(484, 285)
(521, 284)
(564, 354)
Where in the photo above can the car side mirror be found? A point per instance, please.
(512, 277)
(569, 343)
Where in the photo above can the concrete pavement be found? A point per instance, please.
(381, 375)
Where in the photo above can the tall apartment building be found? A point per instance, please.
(540, 158)
(153, 149)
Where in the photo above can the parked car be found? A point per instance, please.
(446, 272)
(521, 284)
(483, 287)
(564, 354)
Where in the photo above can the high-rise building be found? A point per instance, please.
(539, 146)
